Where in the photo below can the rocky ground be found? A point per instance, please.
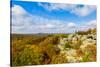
(79, 47)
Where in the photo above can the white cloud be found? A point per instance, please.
(71, 25)
(56, 6)
(84, 11)
(23, 22)
(92, 23)
(72, 8)
(18, 10)
(88, 25)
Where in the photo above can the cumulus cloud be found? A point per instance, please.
(20, 19)
(92, 23)
(23, 22)
(80, 10)
(17, 10)
(71, 25)
(88, 25)
(83, 11)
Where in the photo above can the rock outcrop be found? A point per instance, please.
(85, 44)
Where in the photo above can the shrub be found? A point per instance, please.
(67, 45)
(59, 59)
(27, 57)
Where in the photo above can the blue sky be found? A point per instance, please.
(42, 17)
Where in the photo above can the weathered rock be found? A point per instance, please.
(80, 44)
